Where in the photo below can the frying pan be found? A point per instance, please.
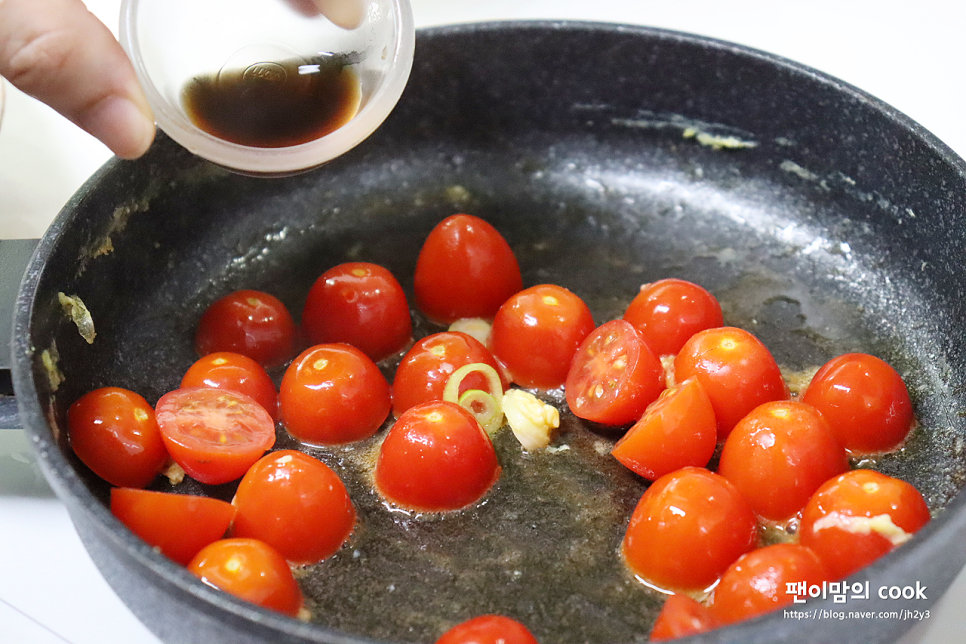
(609, 156)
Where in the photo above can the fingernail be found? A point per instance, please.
(121, 125)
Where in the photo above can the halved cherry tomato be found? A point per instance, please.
(857, 517)
(227, 370)
(333, 394)
(436, 458)
(865, 401)
(114, 432)
(424, 370)
(757, 582)
(361, 304)
(465, 269)
(779, 454)
(682, 616)
(677, 430)
(214, 434)
(252, 323)
(736, 370)
(688, 527)
(179, 525)
(668, 312)
(613, 377)
(251, 570)
(488, 629)
(296, 504)
(537, 332)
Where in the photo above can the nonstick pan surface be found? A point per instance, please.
(608, 156)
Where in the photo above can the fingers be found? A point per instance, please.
(59, 53)
(347, 14)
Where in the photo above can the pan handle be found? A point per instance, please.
(15, 254)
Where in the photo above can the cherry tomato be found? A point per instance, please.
(677, 430)
(757, 582)
(425, 369)
(688, 527)
(251, 570)
(613, 377)
(465, 269)
(333, 394)
(488, 629)
(214, 434)
(682, 616)
(436, 458)
(296, 504)
(179, 525)
(360, 304)
(736, 370)
(865, 401)
(668, 312)
(252, 323)
(114, 432)
(857, 517)
(779, 454)
(226, 370)
(537, 332)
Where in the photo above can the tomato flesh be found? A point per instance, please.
(252, 323)
(488, 629)
(682, 616)
(668, 312)
(226, 370)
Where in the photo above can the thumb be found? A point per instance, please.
(347, 14)
(61, 54)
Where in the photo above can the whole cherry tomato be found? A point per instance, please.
(736, 370)
(252, 323)
(465, 269)
(677, 430)
(179, 525)
(226, 370)
(115, 433)
(251, 570)
(857, 517)
(361, 304)
(682, 616)
(435, 458)
(488, 629)
(668, 312)
(778, 455)
(865, 401)
(333, 394)
(688, 527)
(296, 504)
(215, 435)
(613, 377)
(537, 332)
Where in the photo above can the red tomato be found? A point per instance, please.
(736, 370)
(436, 458)
(179, 525)
(865, 401)
(682, 616)
(677, 430)
(757, 582)
(537, 332)
(778, 455)
(360, 304)
(251, 570)
(252, 323)
(214, 434)
(333, 394)
(613, 376)
(423, 372)
(488, 629)
(226, 370)
(114, 432)
(857, 517)
(668, 312)
(296, 504)
(465, 269)
(688, 527)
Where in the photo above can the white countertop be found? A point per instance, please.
(908, 54)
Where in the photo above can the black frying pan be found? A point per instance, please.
(609, 156)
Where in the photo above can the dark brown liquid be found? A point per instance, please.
(274, 104)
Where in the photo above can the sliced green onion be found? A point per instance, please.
(487, 407)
